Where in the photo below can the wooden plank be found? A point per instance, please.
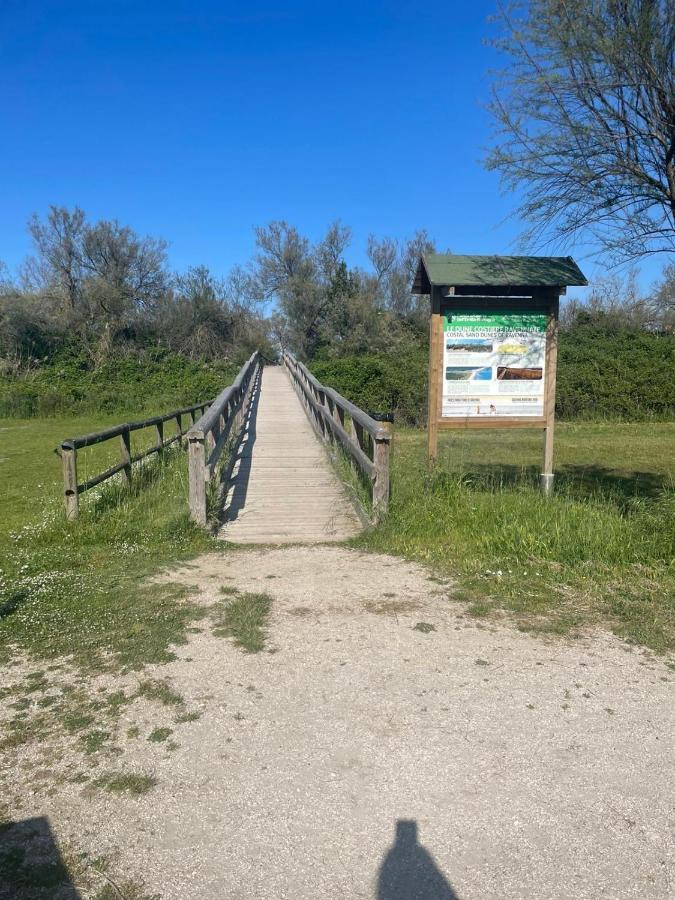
(283, 488)
(70, 492)
(550, 372)
(125, 455)
(97, 437)
(435, 389)
(103, 476)
(381, 483)
(312, 387)
(197, 480)
(469, 422)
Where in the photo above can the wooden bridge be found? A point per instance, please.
(260, 468)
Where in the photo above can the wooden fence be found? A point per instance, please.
(221, 424)
(367, 442)
(68, 452)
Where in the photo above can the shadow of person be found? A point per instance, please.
(409, 872)
(31, 865)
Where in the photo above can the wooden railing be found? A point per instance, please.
(220, 425)
(68, 452)
(367, 442)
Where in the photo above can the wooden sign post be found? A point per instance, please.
(493, 340)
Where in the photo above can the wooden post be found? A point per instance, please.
(159, 427)
(70, 494)
(339, 414)
(435, 373)
(550, 367)
(197, 480)
(381, 481)
(125, 455)
(210, 441)
(179, 424)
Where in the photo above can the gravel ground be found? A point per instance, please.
(361, 757)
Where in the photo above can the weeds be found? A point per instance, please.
(126, 783)
(159, 735)
(599, 550)
(81, 584)
(161, 691)
(244, 619)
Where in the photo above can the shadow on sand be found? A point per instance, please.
(31, 865)
(409, 872)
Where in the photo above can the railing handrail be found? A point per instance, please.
(373, 428)
(326, 410)
(68, 448)
(211, 433)
(210, 418)
(96, 437)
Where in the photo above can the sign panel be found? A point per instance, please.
(493, 363)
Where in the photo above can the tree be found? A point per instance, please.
(299, 276)
(586, 120)
(6, 283)
(662, 301)
(58, 267)
(125, 273)
(395, 265)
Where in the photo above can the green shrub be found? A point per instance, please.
(378, 384)
(605, 371)
(152, 380)
(612, 371)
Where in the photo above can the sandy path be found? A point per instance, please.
(531, 768)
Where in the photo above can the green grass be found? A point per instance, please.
(155, 689)
(599, 551)
(78, 588)
(159, 735)
(126, 783)
(244, 619)
(94, 740)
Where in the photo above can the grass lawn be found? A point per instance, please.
(600, 550)
(77, 588)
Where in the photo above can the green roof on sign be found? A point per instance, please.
(495, 271)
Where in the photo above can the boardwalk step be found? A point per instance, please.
(284, 489)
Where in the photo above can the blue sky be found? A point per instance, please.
(197, 121)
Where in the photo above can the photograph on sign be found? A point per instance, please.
(493, 363)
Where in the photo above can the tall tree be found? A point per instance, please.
(287, 267)
(586, 116)
(57, 270)
(125, 272)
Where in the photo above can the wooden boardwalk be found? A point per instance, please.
(283, 488)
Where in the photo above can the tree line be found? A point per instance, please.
(106, 287)
(94, 294)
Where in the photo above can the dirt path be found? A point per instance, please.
(361, 757)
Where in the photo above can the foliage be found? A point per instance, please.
(78, 588)
(328, 309)
(244, 619)
(154, 380)
(608, 368)
(599, 550)
(385, 383)
(586, 118)
(106, 288)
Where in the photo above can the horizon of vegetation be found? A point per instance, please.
(96, 321)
